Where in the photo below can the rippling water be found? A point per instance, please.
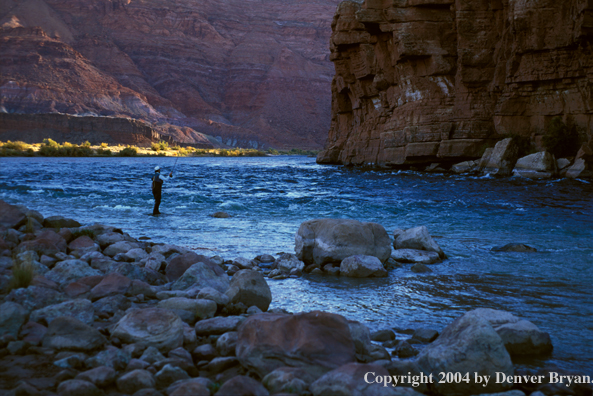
(270, 197)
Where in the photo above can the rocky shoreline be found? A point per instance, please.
(108, 314)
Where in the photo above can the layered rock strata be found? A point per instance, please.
(421, 81)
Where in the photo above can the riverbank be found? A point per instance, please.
(50, 148)
(207, 331)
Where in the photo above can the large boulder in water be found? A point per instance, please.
(324, 241)
(362, 267)
(540, 165)
(156, 327)
(500, 160)
(316, 341)
(467, 345)
(416, 238)
(201, 275)
(250, 288)
(520, 337)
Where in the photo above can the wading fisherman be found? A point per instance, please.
(157, 186)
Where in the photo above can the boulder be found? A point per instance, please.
(110, 285)
(135, 255)
(112, 304)
(218, 325)
(189, 310)
(11, 216)
(179, 264)
(152, 326)
(69, 271)
(209, 293)
(465, 167)
(102, 376)
(416, 238)
(243, 263)
(81, 310)
(33, 333)
(134, 381)
(193, 387)
(540, 165)
(425, 335)
(168, 375)
(35, 297)
(119, 247)
(467, 345)
(12, 317)
(520, 337)
(201, 275)
(361, 336)
(349, 380)
(581, 168)
(324, 241)
(139, 287)
(47, 243)
(415, 256)
(167, 250)
(111, 357)
(289, 262)
(241, 385)
(362, 267)
(60, 222)
(420, 268)
(226, 343)
(250, 288)
(316, 342)
(288, 380)
(501, 159)
(82, 245)
(69, 333)
(109, 238)
(76, 387)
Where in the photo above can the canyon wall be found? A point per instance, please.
(251, 73)
(33, 128)
(423, 81)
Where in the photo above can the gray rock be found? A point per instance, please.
(467, 345)
(425, 335)
(348, 380)
(112, 304)
(540, 165)
(204, 352)
(404, 350)
(99, 376)
(35, 297)
(324, 241)
(580, 169)
(243, 263)
(241, 385)
(119, 247)
(136, 254)
(194, 387)
(288, 380)
(514, 247)
(227, 343)
(361, 336)
(152, 355)
(78, 387)
(152, 326)
(562, 163)
(383, 335)
(60, 222)
(168, 375)
(209, 293)
(69, 333)
(201, 275)
(415, 256)
(218, 325)
(420, 269)
(79, 309)
(12, 317)
(220, 364)
(417, 238)
(190, 310)
(501, 159)
(288, 262)
(112, 357)
(250, 288)
(134, 381)
(69, 271)
(362, 267)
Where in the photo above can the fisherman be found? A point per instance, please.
(157, 185)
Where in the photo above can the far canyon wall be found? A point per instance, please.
(420, 81)
(253, 73)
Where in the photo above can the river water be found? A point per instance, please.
(270, 197)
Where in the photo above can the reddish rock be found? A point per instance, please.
(33, 332)
(111, 285)
(91, 281)
(11, 216)
(316, 342)
(441, 81)
(242, 386)
(48, 243)
(76, 289)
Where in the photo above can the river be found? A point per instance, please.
(269, 197)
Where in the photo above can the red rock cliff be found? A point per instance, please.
(421, 81)
(250, 72)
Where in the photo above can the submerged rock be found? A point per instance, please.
(415, 256)
(324, 241)
(514, 247)
(416, 238)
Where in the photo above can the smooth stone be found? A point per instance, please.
(69, 333)
(360, 266)
(415, 256)
(135, 380)
(250, 288)
(152, 326)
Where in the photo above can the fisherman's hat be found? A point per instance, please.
(157, 168)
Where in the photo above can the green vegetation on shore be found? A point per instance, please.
(51, 148)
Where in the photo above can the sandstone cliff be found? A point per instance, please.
(420, 81)
(33, 128)
(249, 72)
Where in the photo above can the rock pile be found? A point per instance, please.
(105, 324)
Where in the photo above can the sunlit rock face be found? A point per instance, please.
(421, 81)
(252, 73)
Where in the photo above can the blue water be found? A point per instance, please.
(270, 197)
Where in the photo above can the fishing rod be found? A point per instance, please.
(175, 164)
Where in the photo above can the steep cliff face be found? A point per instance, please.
(420, 81)
(250, 72)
